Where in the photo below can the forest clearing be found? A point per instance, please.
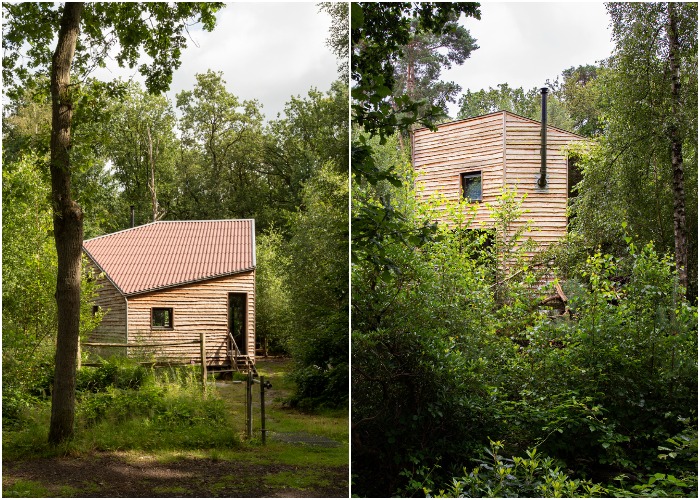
(121, 455)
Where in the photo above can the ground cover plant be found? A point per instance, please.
(145, 432)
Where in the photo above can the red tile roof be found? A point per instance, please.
(169, 253)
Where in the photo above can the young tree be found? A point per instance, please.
(85, 34)
(651, 88)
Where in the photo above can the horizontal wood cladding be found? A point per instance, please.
(545, 207)
(505, 148)
(197, 307)
(474, 145)
(112, 327)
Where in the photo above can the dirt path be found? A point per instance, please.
(116, 475)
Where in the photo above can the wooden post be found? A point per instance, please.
(262, 408)
(249, 405)
(203, 346)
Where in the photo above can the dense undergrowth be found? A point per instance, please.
(452, 349)
(122, 405)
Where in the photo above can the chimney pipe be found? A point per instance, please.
(542, 181)
(132, 215)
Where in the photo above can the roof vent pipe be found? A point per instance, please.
(132, 215)
(542, 181)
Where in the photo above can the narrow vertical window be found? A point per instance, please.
(162, 317)
(471, 186)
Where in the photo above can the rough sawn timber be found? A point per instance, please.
(505, 148)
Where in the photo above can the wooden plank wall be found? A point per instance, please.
(471, 145)
(546, 207)
(197, 307)
(112, 303)
(506, 149)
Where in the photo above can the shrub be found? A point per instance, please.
(533, 476)
(119, 373)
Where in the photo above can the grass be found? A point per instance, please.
(25, 489)
(287, 479)
(169, 423)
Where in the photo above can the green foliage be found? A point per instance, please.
(122, 405)
(532, 476)
(581, 97)
(221, 136)
(421, 60)
(451, 345)
(29, 274)
(312, 132)
(318, 283)
(628, 177)
(117, 373)
(337, 40)
(424, 340)
(379, 34)
(516, 100)
(273, 314)
(156, 29)
(379, 31)
(139, 139)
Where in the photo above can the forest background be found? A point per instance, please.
(207, 155)
(463, 384)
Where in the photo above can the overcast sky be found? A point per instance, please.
(524, 44)
(267, 51)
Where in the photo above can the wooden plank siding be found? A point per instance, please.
(197, 307)
(545, 207)
(112, 328)
(505, 148)
(473, 145)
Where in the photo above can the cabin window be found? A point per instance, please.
(95, 310)
(162, 317)
(471, 186)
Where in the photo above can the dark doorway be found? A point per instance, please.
(237, 320)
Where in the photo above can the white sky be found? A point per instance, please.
(269, 51)
(525, 43)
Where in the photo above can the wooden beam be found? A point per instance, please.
(160, 344)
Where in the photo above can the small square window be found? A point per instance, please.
(162, 317)
(95, 310)
(471, 186)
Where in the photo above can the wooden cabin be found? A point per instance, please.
(478, 158)
(168, 281)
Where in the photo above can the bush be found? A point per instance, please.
(533, 476)
(118, 373)
(15, 402)
(539, 476)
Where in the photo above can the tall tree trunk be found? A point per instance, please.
(68, 229)
(679, 226)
